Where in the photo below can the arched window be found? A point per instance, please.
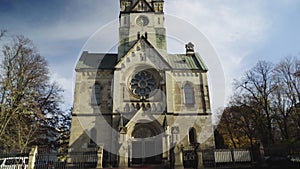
(192, 136)
(189, 97)
(96, 94)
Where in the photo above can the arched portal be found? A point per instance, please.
(146, 144)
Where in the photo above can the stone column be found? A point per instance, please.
(178, 158)
(123, 156)
(32, 157)
(200, 160)
(166, 149)
(123, 151)
(100, 156)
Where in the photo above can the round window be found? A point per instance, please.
(142, 21)
(142, 84)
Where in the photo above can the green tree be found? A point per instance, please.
(238, 127)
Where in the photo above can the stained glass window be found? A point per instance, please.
(142, 84)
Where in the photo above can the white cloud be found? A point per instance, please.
(235, 29)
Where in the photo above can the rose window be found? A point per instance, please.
(142, 84)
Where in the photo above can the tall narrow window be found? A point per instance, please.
(192, 136)
(96, 94)
(189, 94)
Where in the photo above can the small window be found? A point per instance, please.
(158, 20)
(189, 94)
(96, 94)
(192, 136)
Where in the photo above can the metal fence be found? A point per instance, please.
(66, 161)
(215, 158)
(224, 158)
(219, 158)
(13, 160)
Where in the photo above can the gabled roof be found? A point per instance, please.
(186, 62)
(150, 46)
(96, 61)
(135, 3)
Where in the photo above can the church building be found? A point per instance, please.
(141, 105)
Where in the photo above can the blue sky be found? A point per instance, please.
(242, 32)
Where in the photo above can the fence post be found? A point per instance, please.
(100, 156)
(200, 160)
(32, 157)
(179, 158)
(232, 156)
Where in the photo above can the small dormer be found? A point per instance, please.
(190, 49)
(125, 5)
(158, 5)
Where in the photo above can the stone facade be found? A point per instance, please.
(141, 102)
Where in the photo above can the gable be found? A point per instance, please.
(141, 6)
(96, 61)
(142, 52)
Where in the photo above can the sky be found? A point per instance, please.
(241, 32)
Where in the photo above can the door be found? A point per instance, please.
(137, 152)
(150, 152)
(144, 152)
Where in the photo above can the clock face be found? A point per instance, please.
(142, 84)
(142, 21)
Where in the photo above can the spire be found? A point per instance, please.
(165, 123)
(121, 122)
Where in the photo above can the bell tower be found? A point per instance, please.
(141, 18)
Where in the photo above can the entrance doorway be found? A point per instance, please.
(146, 146)
(144, 152)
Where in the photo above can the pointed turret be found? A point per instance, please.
(125, 5)
(165, 123)
(121, 123)
(158, 5)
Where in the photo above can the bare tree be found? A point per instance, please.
(286, 97)
(266, 105)
(26, 95)
(256, 87)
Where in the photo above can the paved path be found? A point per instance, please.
(140, 167)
